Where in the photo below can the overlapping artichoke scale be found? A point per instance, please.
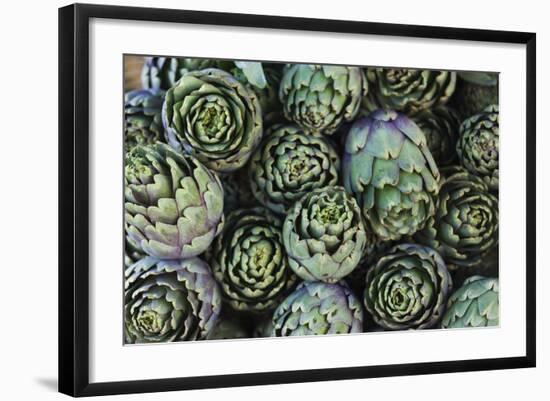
(316, 308)
(169, 300)
(407, 288)
(475, 304)
(389, 168)
(465, 226)
(209, 114)
(320, 98)
(177, 209)
(324, 235)
(249, 261)
(407, 90)
(289, 164)
(478, 146)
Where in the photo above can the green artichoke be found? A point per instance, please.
(169, 300)
(324, 235)
(388, 167)
(249, 261)
(475, 91)
(174, 204)
(211, 115)
(464, 228)
(290, 163)
(407, 288)
(316, 308)
(226, 329)
(475, 304)
(319, 98)
(440, 125)
(407, 90)
(164, 72)
(478, 145)
(143, 117)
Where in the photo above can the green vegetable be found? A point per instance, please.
(169, 300)
(316, 308)
(407, 90)
(164, 72)
(174, 204)
(440, 125)
(324, 235)
(249, 261)
(465, 226)
(407, 288)
(389, 169)
(211, 115)
(142, 117)
(478, 145)
(319, 98)
(475, 304)
(290, 163)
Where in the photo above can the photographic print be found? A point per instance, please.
(266, 199)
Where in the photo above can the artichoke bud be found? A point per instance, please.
(407, 288)
(474, 304)
(316, 308)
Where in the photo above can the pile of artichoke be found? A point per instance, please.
(270, 200)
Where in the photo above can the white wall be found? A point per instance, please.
(28, 226)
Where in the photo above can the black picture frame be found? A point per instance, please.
(74, 201)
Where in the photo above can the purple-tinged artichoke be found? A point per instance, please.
(169, 300)
(316, 308)
(174, 204)
(324, 235)
(211, 115)
(319, 98)
(478, 145)
(389, 169)
(290, 163)
(407, 288)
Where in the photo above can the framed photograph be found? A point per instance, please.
(250, 199)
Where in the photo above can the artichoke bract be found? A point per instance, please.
(316, 308)
(319, 98)
(389, 169)
(475, 304)
(324, 235)
(143, 117)
(478, 145)
(169, 300)
(407, 90)
(249, 261)
(290, 163)
(465, 226)
(440, 125)
(174, 204)
(211, 115)
(164, 72)
(407, 288)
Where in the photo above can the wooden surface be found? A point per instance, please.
(132, 72)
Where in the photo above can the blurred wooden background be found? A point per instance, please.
(132, 72)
